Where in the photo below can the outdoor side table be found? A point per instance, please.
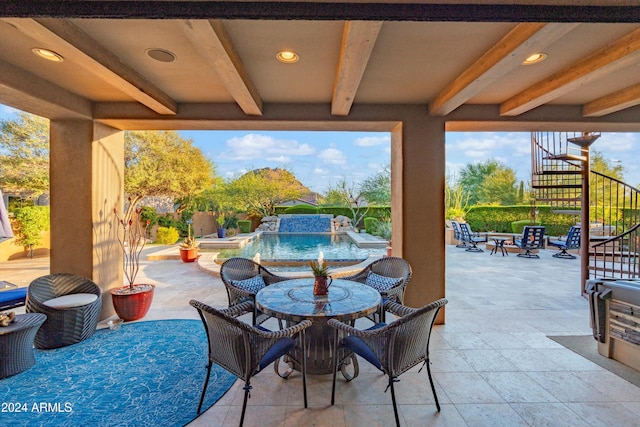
(499, 244)
(16, 343)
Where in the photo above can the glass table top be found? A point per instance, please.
(294, 300)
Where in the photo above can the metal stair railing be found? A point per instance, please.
(617, 257)
(614, 243)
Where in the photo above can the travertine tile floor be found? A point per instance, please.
(492, 362)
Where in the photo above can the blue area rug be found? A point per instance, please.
(144, 374)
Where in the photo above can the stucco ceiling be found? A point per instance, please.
(442, 65)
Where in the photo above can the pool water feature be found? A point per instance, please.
(297, 248)
(305, 223)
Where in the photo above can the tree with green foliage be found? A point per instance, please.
(350, 196)
(164, 164)
(24, 155)
(499, 188)
(489, 182)
(377, 188)
(456, 199)
(472, 177)
(260, 191)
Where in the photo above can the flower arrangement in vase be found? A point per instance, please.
(131, 302)
(321, 274)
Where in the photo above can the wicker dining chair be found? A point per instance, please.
(243, 278)
(245, 350)
(72, 304)
(394, 348)
(388, 275)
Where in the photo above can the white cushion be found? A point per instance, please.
(71, 300)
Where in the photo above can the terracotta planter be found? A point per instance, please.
(388, 250)
(188, 255)
(132, 304)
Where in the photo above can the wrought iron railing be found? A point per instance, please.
(614, 206)
(617, 257)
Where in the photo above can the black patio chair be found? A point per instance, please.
(245, 350)
(72, 304)
(243, 278)
(394, 348)
(457, 234)
(532, 239)
(388, 275)
(472, 239)
(571, 242)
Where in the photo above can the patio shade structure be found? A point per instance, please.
(413, 69)
(5, 225)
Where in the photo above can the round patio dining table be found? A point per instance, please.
(293, 301)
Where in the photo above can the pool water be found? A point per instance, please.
(283, 247)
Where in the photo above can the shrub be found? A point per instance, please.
(167, 221)
(302, 209)
(167, 236)
(32, 221)
(383, 230)
(149, 213)
(371, 224)
(244, 225)
(518, 226)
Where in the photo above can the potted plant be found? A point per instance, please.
(230, 223)
(222, 231)
(189, 246)
(383, 230)
(321, 274)
(131, 302)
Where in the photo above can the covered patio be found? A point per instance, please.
(414, 70)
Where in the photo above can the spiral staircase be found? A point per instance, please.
(561, 178)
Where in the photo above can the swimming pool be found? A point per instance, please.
(302, 247)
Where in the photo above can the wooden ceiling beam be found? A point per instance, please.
(358, 40)
(76, 46)
(28, 92)
(211, 40)
(613, 57)
(620, 100)
(506, 55)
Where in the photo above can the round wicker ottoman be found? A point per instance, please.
(16, 343)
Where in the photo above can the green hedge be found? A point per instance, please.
(380, 212)
(301, 209)
(244, 225)
(371, 224)
(499, 219)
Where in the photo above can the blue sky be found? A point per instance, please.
(322, 159)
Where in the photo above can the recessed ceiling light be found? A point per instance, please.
(287, 56)
(161, 55)
(47, 54)
(535, 58)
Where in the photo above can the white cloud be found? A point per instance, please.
(256, 146)
(280, 159)
(616, 142)
(333, 156)
(370, 141)
(320, 171)
(477, 153)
